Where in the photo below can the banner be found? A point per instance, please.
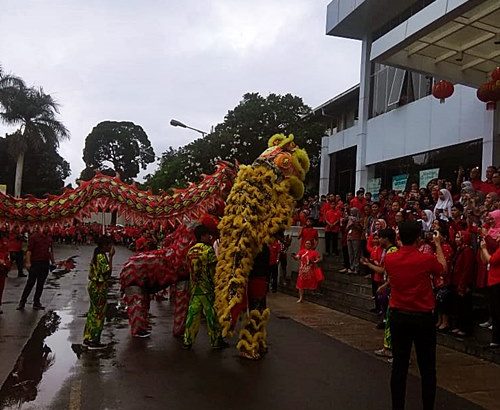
(428, 175)
(373, 185)
(399, 182)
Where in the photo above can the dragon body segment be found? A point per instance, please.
(105, 192)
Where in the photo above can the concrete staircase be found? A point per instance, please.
(352, 294)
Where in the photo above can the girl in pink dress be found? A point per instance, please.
(310, 274)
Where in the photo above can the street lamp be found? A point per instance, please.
(175, 123)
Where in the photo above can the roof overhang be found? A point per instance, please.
(335, 105)
(355, 18)
(458, 40)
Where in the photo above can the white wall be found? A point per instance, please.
(343, 139)
(425, 125)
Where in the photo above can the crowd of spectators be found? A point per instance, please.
(465, 212)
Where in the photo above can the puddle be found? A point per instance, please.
(42, 367)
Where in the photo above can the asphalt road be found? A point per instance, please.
(303, 370)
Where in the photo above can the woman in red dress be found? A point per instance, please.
(4, 263)
(310, 274)
(308, 233)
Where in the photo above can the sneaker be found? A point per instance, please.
(187, 346)
(493, 345)
(490, 327)
(94, 345)
(142, 333)
(343, 270)
(38, 307)
(383, 353)
(485, 325)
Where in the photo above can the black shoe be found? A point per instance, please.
(21, 275)
(221, 345)
(142, 333)
(38, 307)
(20, 306)
(374, 310)
(186, 346)
(380, 325)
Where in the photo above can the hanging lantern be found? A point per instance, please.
(442, 89)
(489, 93)
(495, 74)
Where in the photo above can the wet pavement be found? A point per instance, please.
(43, 365)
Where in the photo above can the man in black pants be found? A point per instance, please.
(412, 305)
(38, 259)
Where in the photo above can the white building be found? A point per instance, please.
(390, 124)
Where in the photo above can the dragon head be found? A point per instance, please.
(292, 161)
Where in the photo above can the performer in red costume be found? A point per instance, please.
(149, 272)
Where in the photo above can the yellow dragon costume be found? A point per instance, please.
(260, 205)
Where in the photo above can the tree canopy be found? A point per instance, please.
(242, 137)
(44, 170)
(35, 112)
(123, 144)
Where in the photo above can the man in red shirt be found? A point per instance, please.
(16, 250)
(38, 259)
(412, 303)
(359, 202)
(332, 229)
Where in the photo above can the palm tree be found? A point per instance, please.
(35, 112)
(9, 85)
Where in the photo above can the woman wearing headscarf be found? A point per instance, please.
(427, 220)
(442, 210)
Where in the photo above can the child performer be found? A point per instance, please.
(100, 272)
(310, 274)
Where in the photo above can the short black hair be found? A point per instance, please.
(459, 206)
(409, 232)
(388, 233)
(201, 230)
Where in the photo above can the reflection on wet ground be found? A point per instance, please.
(36, 358)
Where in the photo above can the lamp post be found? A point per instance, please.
(175, 123)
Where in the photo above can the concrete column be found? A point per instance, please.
(491, 140)
(324, 170)
(363, 112)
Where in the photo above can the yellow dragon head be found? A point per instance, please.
(292, 162)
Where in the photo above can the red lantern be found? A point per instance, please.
(442, 89)
(495, 74)
(489, 93)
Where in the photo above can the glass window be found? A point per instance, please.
(448, 160)
(396, 87)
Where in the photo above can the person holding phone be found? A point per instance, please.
(410, 274)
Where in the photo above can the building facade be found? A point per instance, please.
(397, 128)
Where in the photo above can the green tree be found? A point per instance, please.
(44, 172)
(9, 85)
(243, 136)
(35, 113)
(123, 144)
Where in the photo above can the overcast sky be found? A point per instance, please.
(148, 61)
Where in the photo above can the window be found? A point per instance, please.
(393, 87)
(396, 87)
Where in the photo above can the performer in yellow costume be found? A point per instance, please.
(259, 206)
